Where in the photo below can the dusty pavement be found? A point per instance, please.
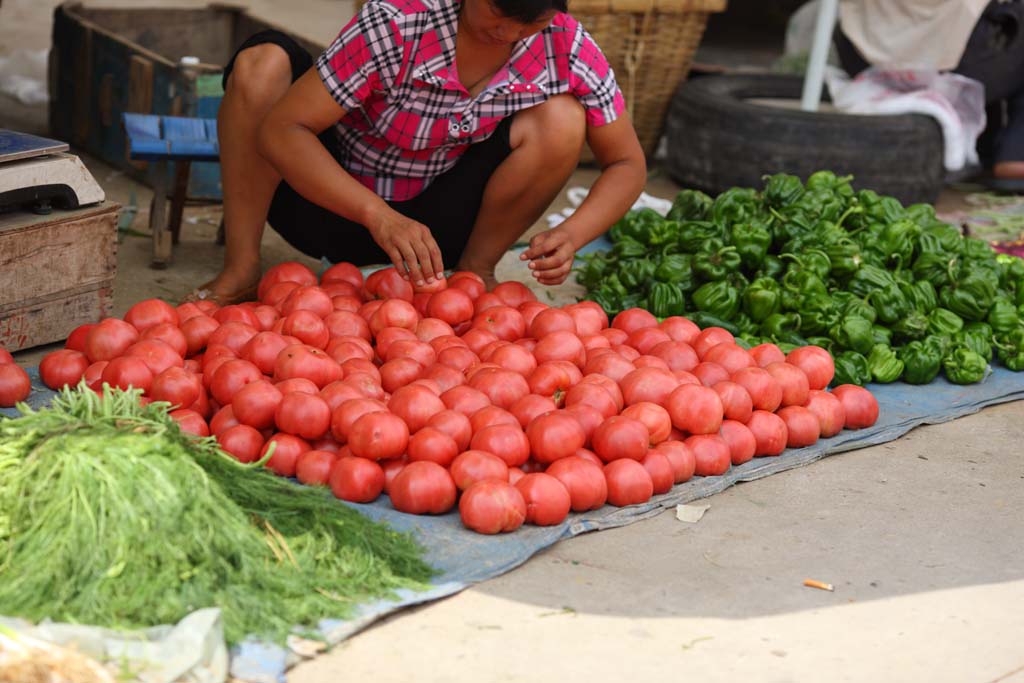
(923, 537)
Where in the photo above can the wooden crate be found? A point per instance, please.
(56, 273)
(107, 61)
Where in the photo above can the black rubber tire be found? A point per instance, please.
(717, 140)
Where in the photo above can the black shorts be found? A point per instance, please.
(448, 206)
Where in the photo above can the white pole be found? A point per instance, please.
(814, 78)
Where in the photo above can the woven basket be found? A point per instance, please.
(650, 45)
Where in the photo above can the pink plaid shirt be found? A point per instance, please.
(409, 119)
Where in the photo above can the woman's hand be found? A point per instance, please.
(551, 254)
(409, 245)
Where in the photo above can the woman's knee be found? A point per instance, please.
(260, 72)
(558, 126)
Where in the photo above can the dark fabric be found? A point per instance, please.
(448, 206)
(994, 55)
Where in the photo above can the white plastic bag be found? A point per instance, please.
(576, 196)
(955, 101)
(23, 76)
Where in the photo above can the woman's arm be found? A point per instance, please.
(623, 175)
(287, 138)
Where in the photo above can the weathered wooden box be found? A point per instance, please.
(56, 273)
(107, 61)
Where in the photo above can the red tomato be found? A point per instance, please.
(711, 454)
(287, 451)
(367, 310)
(276, 294)
(356, 480)
(530, 407)
(126, 372)
(651, 362)
(795, 387)
(633, 319)
(588, 417)
(859, 404)
(343, 272)
(287, 386)
(415, 405)
(388, 336)
(490, 416)
(485, 301)
(650, 385)
(157, 355)
(513, 293)
(621, 437)
(609, 385)
(547, 500)
(263, 349)
(735, 401)
(433, 445)
(615, 336)
(266, 316)
(654, 417)
(388, 284)
(75, 340)
(553, 379)
(502, 387)
(471, 283)
(741, 441)
(627, 352)
(593, 395)
(197, 331)
(301, 360)
(307, 298)
(515, 358)
(177, 387)
(829, 411)
(304, 415)
(594, 342)
(232, 334)
(429, 329)
(237, 314)
(769, 431)
(421, 352)
(109, 339)
(457, 357)
(394, 313)
(391, 469)
(628, 483)
(396, 373)
(347, 324)
(680, 457)
(63, 367)
(445, 377)
(454, 424)
(589, 317)
(660, 470)
(378, 436)
(730, 356)
(190, 422)
(307, 327)
(611, 365)
(345, 415)
(241, 441)
(314, 467)
(289, 271)
(765, 391)
(695, 409)
(816, 363)
(423, 488)
(802, 427)
(677, 355)
(491, 507)
(465, 399)
(453, 306)
(150, 312)
(230, 377)
(551, 320)
(15, 385)
(224, 420)
(680, 329)
(709, 374)
(472, 466)
(710, 337)
(646, 338)
(170, 335)
(765, 354)
(585, 482)
(507, 441)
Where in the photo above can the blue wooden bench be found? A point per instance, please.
(161, 140)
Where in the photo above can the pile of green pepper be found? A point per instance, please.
(891, 291)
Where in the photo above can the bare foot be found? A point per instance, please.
(229, 287)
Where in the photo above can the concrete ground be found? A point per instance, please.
(923, 538)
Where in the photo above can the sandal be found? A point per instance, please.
(206, 294)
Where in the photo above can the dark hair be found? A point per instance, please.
(529, 11)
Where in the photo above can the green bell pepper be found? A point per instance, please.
(971, 297)
(896, 242)
(943, 321)
(720, 299)
(677, 269)
(868, 278)
(881, 335)
(762, 298)
(772, 267)
(636, 274)
(914, 325)
(626, 248)
(781, 190)
(940, 238)
(735, 205)
(666, 300)
(861, 308)
(829, 182)
(890, 303)
(977, 337)
(751, 241)
(964, 366)
(690, 205)
(715, 261)
(811, 260)
(1010, 349)
(845, 257)
(694, 234)
(851, 368)
(938, 268)
(1002, 317)
(922, 295)
(884, 364)
(780, 325)
(853, 332)
(704, 320)
(977, 249)
(921, 362)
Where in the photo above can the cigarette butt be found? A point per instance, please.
(820, 585)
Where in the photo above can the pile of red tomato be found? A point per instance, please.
(518, 411)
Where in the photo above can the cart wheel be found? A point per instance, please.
(728, 131)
